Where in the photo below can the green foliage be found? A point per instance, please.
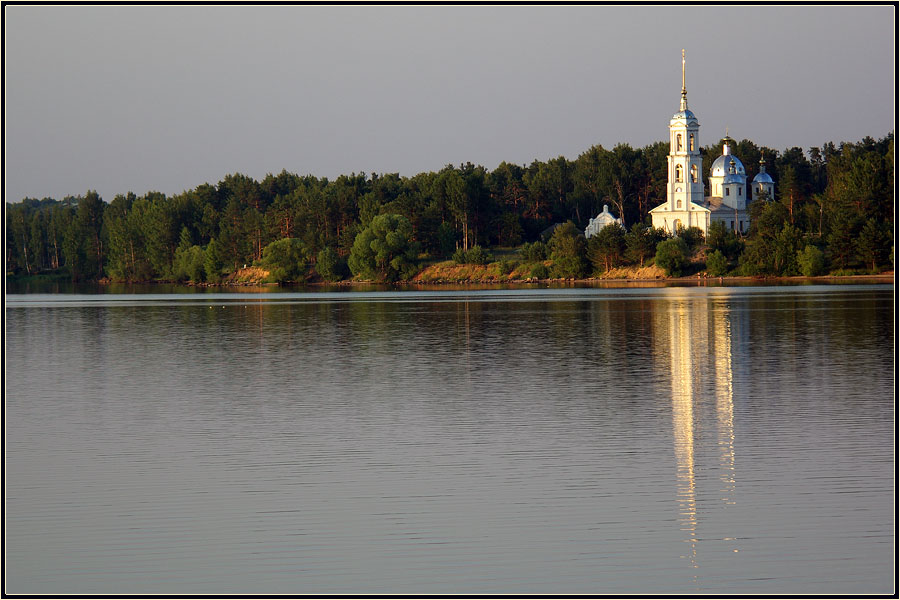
(692, 236)
(189, 259)
(476, 255)
(757, 258)
(829, 195)
(641, 241)
(786, 248)
(540, 271)
(871, 243)
(716, 263)
(447, 239)
(330, 266)
(811, 261)
(720, 237)
(568, 251)
(212, 262)
(534, 251)
(606, 248)
(506, 266)
(286, 260)
(385, 250)
(671, 256)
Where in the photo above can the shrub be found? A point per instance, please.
(671, 256)
(285, 260)
(459, 256)
(533, 252)
(329, 265)
(540, 271)
(811, 261)
(716, 263)
(568, 250)
(477, 256)
(385, 250)
(692, 236)
(212, 262)
(506, 266)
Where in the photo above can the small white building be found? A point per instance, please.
(600, 221)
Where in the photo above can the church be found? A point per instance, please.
(686, 205)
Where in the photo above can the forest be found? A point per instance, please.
(833, 212)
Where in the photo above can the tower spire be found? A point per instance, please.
(683, 85)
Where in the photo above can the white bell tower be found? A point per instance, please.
(685, 161)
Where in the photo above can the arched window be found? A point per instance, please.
(678, 142)
(678, 204)
(693, 168)
(692, 142)
(678, 174)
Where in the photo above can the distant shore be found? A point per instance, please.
(471, 275)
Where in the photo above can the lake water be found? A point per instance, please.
(720, 440)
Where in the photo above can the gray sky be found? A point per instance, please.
(165, 98)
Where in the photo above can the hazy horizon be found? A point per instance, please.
(166, 98)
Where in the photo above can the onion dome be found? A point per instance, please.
(762, 176)
(720, 166)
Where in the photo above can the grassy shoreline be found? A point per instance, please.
(450, 274)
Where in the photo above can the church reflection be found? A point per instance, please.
(696, 339)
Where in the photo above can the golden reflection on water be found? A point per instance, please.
(700, 338)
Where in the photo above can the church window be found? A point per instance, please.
(678, 142)
(678, 174)
(693, 169)
(739, 192)
(692, 142)
(727, 192)
(678, 204)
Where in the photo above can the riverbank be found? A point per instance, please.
(451, 274)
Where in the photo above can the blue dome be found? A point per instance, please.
(720, 166)
(733, 178)
(684, 115)
(762, 178)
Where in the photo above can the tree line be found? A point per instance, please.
(835, 199)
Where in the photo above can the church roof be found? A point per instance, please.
(734, 178)
(720, 166)
(763, 178)
(685, 114)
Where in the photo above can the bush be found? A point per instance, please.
(716, 263)
(385, 250)
(189, 264)
(671, 256)
(285, 260)
(540, 271)
(506, 266)
(212, 262)
(568, 251)
(811, 261)
(533, 252)
(476, 255)
(692, 236)
(605, 249)
(330, 266)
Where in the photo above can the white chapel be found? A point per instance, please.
(685, 205)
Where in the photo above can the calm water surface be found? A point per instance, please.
(666, 440)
